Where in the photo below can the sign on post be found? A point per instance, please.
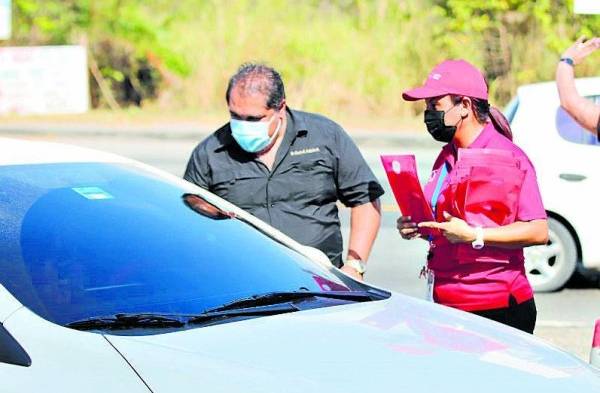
(587, 6)
(43, 80)
(5, 19)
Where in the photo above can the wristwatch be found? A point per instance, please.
(357, 265)
(567, 60)
(478, 243)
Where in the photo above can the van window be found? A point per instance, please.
(571, 131)
(511, 109)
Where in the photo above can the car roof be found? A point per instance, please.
(21, 152)
(585, 87)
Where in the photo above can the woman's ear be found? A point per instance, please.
(466, 106)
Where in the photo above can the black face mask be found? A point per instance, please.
(434, 121)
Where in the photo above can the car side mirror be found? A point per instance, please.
(11, 352)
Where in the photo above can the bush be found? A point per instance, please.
(336, 56)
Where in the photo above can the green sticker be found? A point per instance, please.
(94, 193)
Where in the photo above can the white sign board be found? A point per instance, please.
(587, 6)
(43, 80)
(5, 19)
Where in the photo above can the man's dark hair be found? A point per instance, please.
(253, 77)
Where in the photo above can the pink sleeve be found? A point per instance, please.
(531, 206)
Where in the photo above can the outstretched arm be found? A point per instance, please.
(585, 112)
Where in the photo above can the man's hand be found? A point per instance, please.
(580, 49)
(349, 270)
(454, 229)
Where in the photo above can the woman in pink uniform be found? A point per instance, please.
(475, 268)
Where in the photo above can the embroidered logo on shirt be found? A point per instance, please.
(304, 151)
(436, 76)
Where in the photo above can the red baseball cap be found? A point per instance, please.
(457, 77)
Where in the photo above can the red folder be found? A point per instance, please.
(401, 171)
(489, 193)
(485, 192)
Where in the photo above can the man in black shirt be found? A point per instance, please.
(584, 111)
(289, 168)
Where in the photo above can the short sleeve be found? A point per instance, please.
(531, 206)
(197, 170)
(356, 183)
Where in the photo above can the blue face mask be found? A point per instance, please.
(253, 136)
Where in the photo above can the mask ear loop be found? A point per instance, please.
(278, 127)
(274, 136)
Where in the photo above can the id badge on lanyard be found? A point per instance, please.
(429, 276)
(427, 273)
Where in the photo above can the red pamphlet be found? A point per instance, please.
(401, 171)
(489, 195)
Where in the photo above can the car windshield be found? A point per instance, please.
(81, 240)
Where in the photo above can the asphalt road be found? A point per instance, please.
(565, 318)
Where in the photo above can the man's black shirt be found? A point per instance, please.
(316, 165)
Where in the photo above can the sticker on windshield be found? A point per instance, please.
(94, 193)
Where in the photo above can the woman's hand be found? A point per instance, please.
(580, 49)
(407, 228)
(454, 229)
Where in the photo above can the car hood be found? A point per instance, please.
(398, 344)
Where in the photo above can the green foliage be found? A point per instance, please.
(336, 56)
(121, 36)
(520, 39)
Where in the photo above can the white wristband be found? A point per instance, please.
(478, 243)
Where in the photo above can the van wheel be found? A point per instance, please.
(550, 266)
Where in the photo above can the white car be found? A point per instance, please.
(117, 277)
(566, 158)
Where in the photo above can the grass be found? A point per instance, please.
(347, 59)
(348, 62)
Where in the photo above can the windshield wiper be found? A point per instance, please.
(129, 321)
(274, 303)
(210, 317)
(283, 297)
(259, 305)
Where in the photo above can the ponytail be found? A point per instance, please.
(484, 111)
(500, 123)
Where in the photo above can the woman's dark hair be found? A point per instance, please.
(261, 78)
(484, 111)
